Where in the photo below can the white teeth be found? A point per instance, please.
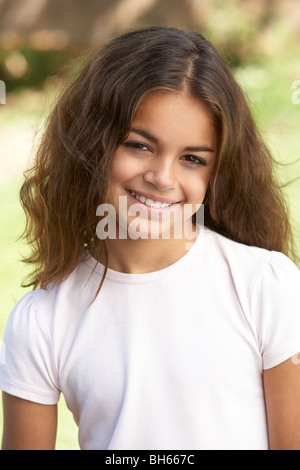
(150, 202)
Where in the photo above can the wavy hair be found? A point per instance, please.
(93, 116)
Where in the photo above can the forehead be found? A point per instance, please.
(176, 115)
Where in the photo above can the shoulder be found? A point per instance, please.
(231, 249)
(243, 263)
(267, 285)
(29, 322)
(29, 371)
(275, 310)
(247, 260)
(42, 306)
(254, 273)
(40, 325)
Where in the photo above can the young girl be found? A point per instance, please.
(165, 326)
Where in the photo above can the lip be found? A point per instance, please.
(152, 196)
(149, 209)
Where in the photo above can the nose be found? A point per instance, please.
(161, 173)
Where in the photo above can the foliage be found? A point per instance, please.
(33, 50)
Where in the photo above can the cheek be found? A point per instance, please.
(196, 189)
(122, 169)
(117, 169)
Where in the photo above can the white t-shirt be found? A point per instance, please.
(171, 359)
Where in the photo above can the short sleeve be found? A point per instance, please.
(276, 310)
(27, 368)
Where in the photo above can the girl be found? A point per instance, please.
(165, 327)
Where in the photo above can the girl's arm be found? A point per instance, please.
(282, 395)
(28, 425)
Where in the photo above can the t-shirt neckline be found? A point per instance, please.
(140, 278)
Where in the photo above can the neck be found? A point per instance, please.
(145, 255)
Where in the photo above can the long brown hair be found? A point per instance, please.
(93, 116)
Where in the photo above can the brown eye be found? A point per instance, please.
(194, 160)
(136, 146)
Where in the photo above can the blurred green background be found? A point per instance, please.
(259, 38)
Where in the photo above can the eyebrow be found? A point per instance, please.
(147, 135)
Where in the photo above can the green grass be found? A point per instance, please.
(269, 88)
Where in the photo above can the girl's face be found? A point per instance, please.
(161, 171)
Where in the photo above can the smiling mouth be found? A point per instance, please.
(150, 202)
